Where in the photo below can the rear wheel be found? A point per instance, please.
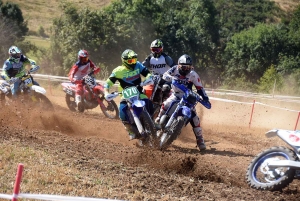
(70, 100)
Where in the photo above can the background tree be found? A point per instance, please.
(12, 29)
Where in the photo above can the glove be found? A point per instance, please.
(13, 80)
(34, 68)
(77, 81)
(205, 98)
(109, 96)
(167, 78)
(147, 82)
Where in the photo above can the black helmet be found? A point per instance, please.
(185, 63)
(156, 47)
(129, 58)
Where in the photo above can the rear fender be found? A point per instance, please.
(38, 89)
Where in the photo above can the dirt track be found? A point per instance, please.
(180, 173)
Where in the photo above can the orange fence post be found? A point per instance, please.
(297, 121)
(18, 182)
(251, 113)
(49, 84)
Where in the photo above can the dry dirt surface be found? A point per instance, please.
(181, 172)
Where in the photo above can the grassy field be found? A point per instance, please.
(41, 12)
(39, 42)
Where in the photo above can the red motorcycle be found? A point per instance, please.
(93, 96)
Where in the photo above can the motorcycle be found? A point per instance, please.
(93, 96)
(29, 92)
(276, 167)
(138, 115)
(178, 115)
(157, 93)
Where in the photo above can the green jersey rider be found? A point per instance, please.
(129, 74)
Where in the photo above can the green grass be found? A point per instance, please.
(39, 42)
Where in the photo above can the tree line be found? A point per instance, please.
(236, 44)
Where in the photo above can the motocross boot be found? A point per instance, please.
(161, 113)
(132, 131)
(199, 138)
(79, 103)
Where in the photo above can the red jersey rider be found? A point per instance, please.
(81, 68)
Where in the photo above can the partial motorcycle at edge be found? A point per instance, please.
(276, 167)
(29, 92)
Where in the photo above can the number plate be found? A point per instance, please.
(130, 92)
(28, 81)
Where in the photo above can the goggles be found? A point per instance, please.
(185, 67)
(16, 56)
(131, 61)
(156, 49)
(84, 59)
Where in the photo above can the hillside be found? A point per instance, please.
(40, 13)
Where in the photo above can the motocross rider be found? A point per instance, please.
(14, 68)
(158, 63)
(129, 74)
(81, 68)
(184, 73)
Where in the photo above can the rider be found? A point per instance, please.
(81, 68)
(184, 73)
(128, 74)
(158, 63)
(14, 68)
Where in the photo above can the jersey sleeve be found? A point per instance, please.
(143, 70)
(198, 84)
(169, 61)
(111, 80)
(6, 67)
(72, 72)
(94, 67)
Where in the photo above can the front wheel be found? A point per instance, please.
(42, 102)
(70, 100)
(149, 128)
(262, 177)
(156, 109)
(172, 133)
(109, 108)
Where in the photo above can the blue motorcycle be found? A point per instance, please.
(178, 115)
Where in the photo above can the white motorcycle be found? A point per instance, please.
(276, 167)
(29, 92)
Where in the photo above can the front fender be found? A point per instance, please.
(38, 89)
(138, 103)
(186, 112)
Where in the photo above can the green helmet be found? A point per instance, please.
(129, 58)
(157, 47)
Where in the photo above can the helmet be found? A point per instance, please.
(157, 47)
(185, 64)
(129, 58)
(83, 56)
(14, 52)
